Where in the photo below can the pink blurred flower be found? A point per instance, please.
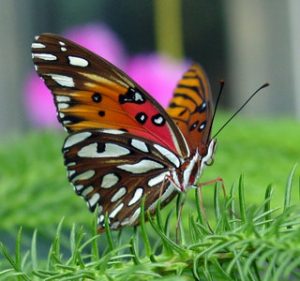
(157, 74)
(95, 37)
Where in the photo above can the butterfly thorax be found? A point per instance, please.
(190, 171)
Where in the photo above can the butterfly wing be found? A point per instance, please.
(91, 93)
(191, 108)
(115, 170)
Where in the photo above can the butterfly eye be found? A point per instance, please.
(209, 162)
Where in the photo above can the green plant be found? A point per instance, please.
(237, 242)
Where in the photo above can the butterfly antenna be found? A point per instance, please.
(216, 106)
(241, 107)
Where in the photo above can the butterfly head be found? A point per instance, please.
(191, 169)
(207, 158)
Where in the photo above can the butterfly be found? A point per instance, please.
(122, 146)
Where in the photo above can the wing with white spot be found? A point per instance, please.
(90, 93)
(114, 170)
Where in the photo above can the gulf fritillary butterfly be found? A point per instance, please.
(122, 145)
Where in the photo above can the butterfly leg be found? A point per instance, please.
(216, 180)
(180, 204)
(200, 195)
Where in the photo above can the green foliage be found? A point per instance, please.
(247, 243)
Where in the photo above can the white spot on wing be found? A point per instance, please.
(116, 211)
(94, 199)
(119, 194)
(115, 225)
(62, 98)
(76, 61)
(61, 43)
(76, 138)
(109, 180)
(140, 145)
(71, 173)
(62, 80)
(37, 45)
(137, 196)
(62, 106)
(159, 120)
(44, 56)
(87, 190)
(135, 216)
(100, 219)
(168, 154)
(143, 166)
(79, 187)
(160, 178)
(63, 49)
(131, 220)
(113, 132)
(84, 176)
(170, 189)
(138, 96)
(111, 150)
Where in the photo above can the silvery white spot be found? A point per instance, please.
(140, 145)
(67, 122)
(112, 131)
(63, 49)
(100, 209)
(170, 189)
(36, 67)
(62, 98)
(61, 115)
(84, 176)
(159, 120)
(79, 187)
(62, 106)
(100, 219)
(71, 164)
(125, 222)
(137, 196)
(61, 43)
(168, 154)
(202, 126)
(62, 80)
(115, 225)
(94, 199)
(143, 166)
(116, 211)
(37, 45)
(119, 194)
(109, 180)
(76, 61)
(160, 178)
(71, 173)
(36, 38)
(44, 56)
(76, 138)
(87, 190)
(138, 96)
(135, 216)
(111, 150)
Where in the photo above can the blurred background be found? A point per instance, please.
(246, 43)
